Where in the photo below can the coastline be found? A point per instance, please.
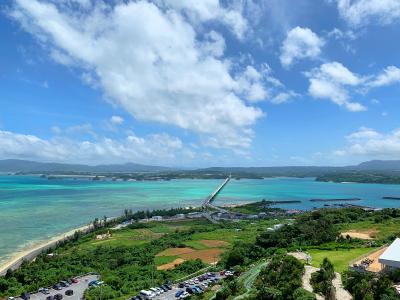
(32, 252)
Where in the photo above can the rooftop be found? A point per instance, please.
(391, 256)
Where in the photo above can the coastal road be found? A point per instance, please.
(78, 288)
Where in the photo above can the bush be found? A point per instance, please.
(322, 280)
(280, 278)
(302, 294)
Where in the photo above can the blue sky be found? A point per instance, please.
(200, 83)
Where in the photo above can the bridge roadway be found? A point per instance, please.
(207, 202)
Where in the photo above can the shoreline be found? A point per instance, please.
(36, 249)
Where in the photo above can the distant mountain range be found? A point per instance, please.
(16, 165)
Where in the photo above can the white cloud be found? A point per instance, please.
(250, 83)
(368, 143)
(300, 43)
(151, 61)
(116, 120)
(338, 34)
(388, 76)
(208, 10)
(154, 148)
(363, 133)
(284, 97)
(361, 12)
(330, 81)
(335, 82)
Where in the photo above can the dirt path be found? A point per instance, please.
(306, 280)
(341, 293)
(361, 234)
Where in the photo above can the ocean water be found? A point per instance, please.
(33, 209)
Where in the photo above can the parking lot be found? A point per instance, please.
(204, 283)
(78, 289)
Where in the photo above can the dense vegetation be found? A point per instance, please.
(280, 279)
(125, 269)
(366, 286)
(127, 266)
(310, 229)
(361, 177)
(321, 280)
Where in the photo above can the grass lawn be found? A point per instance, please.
(123, 237)
(340, 258)
(162, 260)
(384, 229)
(196, 245)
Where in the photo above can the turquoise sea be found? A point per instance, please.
(33, 209)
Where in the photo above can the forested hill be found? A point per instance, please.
(370, 169)
(17, 165)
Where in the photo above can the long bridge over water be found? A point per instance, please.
(208, 201)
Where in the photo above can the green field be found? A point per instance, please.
(340, 258)
(384, 229)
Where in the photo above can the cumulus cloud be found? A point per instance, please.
(369, 143)
(208, 10)
(335, 82)
(330, 81)
(154, 148)
(361, 12)
(149, 59)
(300, 43)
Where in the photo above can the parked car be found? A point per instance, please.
(93, 283)
(196, 290)
(179, 293)
(181, 285)
(164, 288)
(155, 291)
(184, 295)
(189, 290)
(49, 298)
(57, 287)
(64, 283)
(147, 294)
(74, 280)
(58, 297)
(25, 296)
(44, 291)
(69, 292)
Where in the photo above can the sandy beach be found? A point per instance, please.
(31, 253)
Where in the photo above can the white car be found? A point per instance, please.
(155, 291)
(147, 294)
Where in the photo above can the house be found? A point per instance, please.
(194, 215)
(156, 218)
(180, 216)
(390, 259)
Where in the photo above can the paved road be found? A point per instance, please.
(249, 278)
(78, 288)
